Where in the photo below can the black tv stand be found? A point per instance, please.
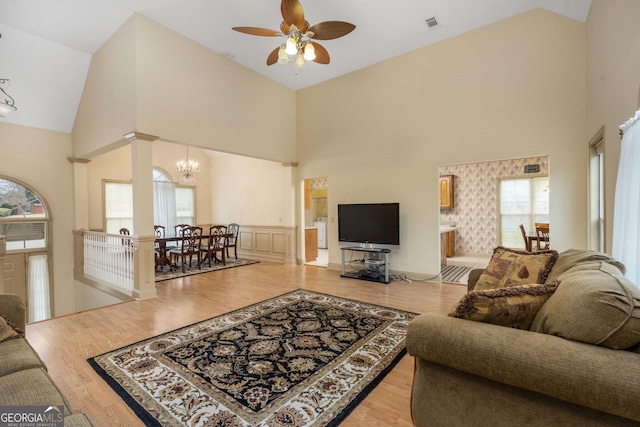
(376, 266)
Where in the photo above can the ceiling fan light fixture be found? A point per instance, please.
(291, 47)
(283, 58)
(309, 52)
(299, 60)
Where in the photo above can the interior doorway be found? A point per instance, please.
(316, 194)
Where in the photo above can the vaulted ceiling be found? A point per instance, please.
(46, 45)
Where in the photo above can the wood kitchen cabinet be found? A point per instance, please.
(311, 244)
(451, 244)
(446, 191)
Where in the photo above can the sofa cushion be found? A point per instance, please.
(513, 306)
(509, 267)
(595, 306)
(17, 355)
(30, 387)
(576, 258)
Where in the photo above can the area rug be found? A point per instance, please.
(454, 273)
(299, 359)
(167, 274)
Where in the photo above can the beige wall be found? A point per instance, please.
(38, 159)
(613, 82)
(504, 91)
(247, 191)
(107, 109)
(180, 91)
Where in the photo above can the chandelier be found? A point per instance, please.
(6, 101)
(187, 168)
(297, 45)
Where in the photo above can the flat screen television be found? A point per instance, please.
(369, 223)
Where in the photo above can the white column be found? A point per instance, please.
(289, 220)
(142, 174)
(80, 193)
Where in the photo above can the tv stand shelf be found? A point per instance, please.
(376, 265)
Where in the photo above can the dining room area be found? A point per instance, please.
(490, 204)
(177, 226)
(189, 250)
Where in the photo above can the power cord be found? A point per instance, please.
(403, 277)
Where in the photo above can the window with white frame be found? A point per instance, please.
(185, 205)
(173, 204)
(23, 223)
(23, 219)
(118, 206)
(596, 195)
(522, 201)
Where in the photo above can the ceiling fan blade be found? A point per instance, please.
(330, 30)
(258, 31)
(322, 56)
(293, 14)
(273, 56)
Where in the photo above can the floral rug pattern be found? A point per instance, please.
(300, 359)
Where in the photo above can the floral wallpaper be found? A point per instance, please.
(475, 207)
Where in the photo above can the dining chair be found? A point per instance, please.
(542, 231)
(160, 261)
(215, 243)
(527, 242)
(178, 231)
(125, 232)
(190, 245)
(232, 239)
(159, 231)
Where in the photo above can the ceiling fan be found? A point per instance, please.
(300, 36)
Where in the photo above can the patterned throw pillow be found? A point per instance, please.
(6, 331)
(510, 267)
(514, 306)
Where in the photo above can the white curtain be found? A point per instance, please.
(626, 232)
(164, 205)
(39, 305)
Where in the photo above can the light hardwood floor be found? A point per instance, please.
(66, 342)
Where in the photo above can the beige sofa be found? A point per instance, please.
(24, 380)
(471, 373)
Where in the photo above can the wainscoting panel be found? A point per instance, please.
(268, 243)
(263, 241)
(246, 240)
(279, 243)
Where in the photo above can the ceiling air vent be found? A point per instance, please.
(432, 23)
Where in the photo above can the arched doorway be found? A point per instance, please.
(25, 223)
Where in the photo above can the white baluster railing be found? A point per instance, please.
(108, 258)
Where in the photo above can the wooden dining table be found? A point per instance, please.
(163, 259)
(530, 238)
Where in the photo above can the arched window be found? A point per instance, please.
(24, 221)
(160, 176)
(23, 217)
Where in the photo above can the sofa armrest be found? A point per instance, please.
(592, 376)
(12, 308)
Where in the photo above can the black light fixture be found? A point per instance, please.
(7, 104)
